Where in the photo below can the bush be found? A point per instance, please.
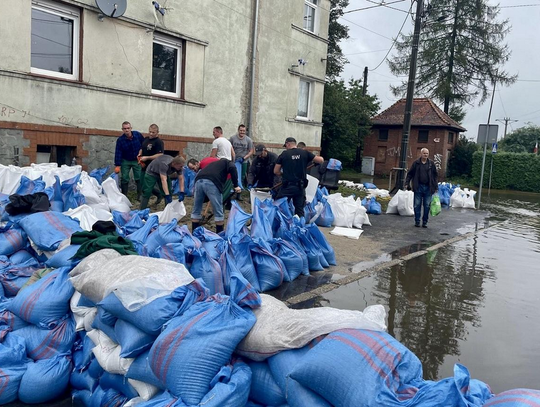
(461, 159)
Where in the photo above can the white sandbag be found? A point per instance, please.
(174, 210)
(116, 200)
(279, 328)
(10, 178)
(383, 193)
(457, 198)
(84, 214)
(80, 313)
(344, 210)
(405, 203)
(90, 188)
(146, 391)
(107, 353)
(258, 194)
(311, 189)
(346, 232)
(392, 205)
(361, 217)
(468, 199)
(136, 280)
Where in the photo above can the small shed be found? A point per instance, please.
(430, 128)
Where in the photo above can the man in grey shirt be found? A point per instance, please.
(243, 150)
(158, 173)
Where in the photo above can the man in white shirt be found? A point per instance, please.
(221, 147)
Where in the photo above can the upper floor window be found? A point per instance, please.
(166, 66)
(55, 40)
(303, 98)
(383, 135)
(423, 136)
(310, 14)
(450, 138)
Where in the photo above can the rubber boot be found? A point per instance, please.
(139, 190)
(144, 203)
(124, 187)
(194, 225)
(219, 228)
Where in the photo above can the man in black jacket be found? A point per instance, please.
(210, 182)
(423, 174)
(261, 172)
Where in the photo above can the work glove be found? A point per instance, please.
(249, 187)
(180, 197)
(240, 160)
(117, 169)
(168, 199)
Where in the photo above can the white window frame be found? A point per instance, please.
(68, 12)
(313, 4)
(309, 96)
(177, 44)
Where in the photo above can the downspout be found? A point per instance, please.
(253, 62)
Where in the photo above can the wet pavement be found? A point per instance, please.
(464, 292)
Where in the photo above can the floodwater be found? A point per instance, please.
(474, 302)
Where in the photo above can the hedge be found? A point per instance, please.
(518, 171)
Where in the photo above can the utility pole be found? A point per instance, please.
(358, 158)
(364, 84)
(410, 95)
(506, 120)
(485, 146)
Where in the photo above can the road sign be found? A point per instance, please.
(491, 135)
(494, 148)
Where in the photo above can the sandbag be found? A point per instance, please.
(179, 356)
(98, 173)
(515, 398)
(236, 224)
(207, 269)
(81, 380)
(211, 242)
(64, 257)
(107, 353)
(239, 250)
(270, 268)
(405, 203)
(13, 363)
(20, 256)
(264, 389)
(392, 207)
(279, 328)
(48, 229)
(326, 248)
(12, 240)
(290, 256)
(173, 211)
(326, 216)
(261, 227)
(118, 383)
(140, 236)
(131, 339)
(140, 370)
(44, 380)
(162, 235)
(14, 277)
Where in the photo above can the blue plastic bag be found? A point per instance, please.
(270, 268)
(264, 389)
(28, 186)
(236, 224)
(207, 269)
(12, 240)
(140, 236)
(162, 235)
(48, 229)
(45, 380)
(261, 227)
(13, 364)
(326, 218)
(374, 207)
(99, 173)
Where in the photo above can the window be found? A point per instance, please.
(55, 40)
(303, 98)
(450, 138)
(383, 135)
(381, 154)
(310, 14)
(423, 136)
(166, 66)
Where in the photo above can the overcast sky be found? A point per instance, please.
(372, 32)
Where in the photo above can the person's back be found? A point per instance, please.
(294, 163)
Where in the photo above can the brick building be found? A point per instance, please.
(430, 128)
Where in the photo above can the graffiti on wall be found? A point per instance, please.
(437, 159)
(395, 151)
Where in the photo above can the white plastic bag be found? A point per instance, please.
(107, 353)
(392, 205)
(468, 199)
(457, 198)
(405, 203)
(116, 200)
(361, 217)
(174, 210)
(311, 188)
(346, 232)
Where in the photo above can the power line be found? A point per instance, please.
(376, 6)
(520, 5)
(367, 29)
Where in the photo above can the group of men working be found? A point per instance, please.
(223, 171)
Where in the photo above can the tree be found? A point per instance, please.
(521, 140)
(335, 61)
(461, 159)
(461, 53)
(346, 119)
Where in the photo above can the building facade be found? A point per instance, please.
(431, 128)
(69, 75)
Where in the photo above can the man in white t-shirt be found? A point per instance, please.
(221, 147)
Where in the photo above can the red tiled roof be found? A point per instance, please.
(425, 113)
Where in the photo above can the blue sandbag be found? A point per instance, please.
(515, 398)
(164, 399)
(152, 316)
(94, 369)
(48, 229)
(63, 258)
(81, 380)
(236, 286)
(326, 218)
(312, 249)
(212, 243)
(171, 251)
(139, 237)
(270, 269)
(28, 186)
(12, 240)
(207, 269)
(132, 225)
(270, 212)
(163, 234)
(261, 227)
(8, 320)
(131, 339)
(14, 277)
(82, 352)
(319, 237)
(291, 257)
(239, 250)
(45, 302)
(230, 387)
(369, 185)
(44, 380)
(121, 218)
(140, 370)
(236, 224)
(71, 196)
(374, 207)
(281, 365)
(45, 343)
(13, 364)
(118, 383)
(104, 398)
(20, 257)
(264, 388)
(105, 321)
(99, 173)
(180, 355)
(81, 397)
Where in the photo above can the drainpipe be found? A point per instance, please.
(253, 62)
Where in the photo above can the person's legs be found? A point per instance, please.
(299, 201)
(417, 207)
(216, 201)
(124, 176)
(427, 204)
(136, 168)
(148, 183)
(198, 200)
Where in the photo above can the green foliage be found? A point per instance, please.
(460, 162)
(336, 32)
(510, 171)
(522, 140)
(461, 53)
(346, 119)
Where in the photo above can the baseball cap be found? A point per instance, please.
(289, 140)
(259, 148)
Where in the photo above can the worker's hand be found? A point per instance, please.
(168, 199)
(409, 188)
(117, 169)
(180, 196)
(249, 187)
(237, 190)
(240, 160)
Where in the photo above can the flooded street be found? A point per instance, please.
(474, 302)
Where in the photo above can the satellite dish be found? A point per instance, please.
(112, 8)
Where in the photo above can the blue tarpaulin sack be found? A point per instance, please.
(327, 249)
(63, 258)
(369, 185)
(270, 269)
(121, 218)
(57, 203)
(12, 240)
(239, 250)
(236, 224)
(515, 398)
(270, 211)
(20, 256)
(45, 343)
(194, 347)
(28, 186)
(211, 242)
(164, 399)
(264, 389)
(189, 181)
(261, 227)
(291, 257)
(334, 164)
(140, 370)
(139, 237)
(281, 365)
(373, 207)
(207, 269)
(132, 340)
(131, 226)
(153, 315)
(81, 380)
(171, 251)
(14, 277)
(164, 234)
(118, 383)
(45, 380)
(309, 211)
(293, 241)
(444, 194)
(104, 398)
(45, 302)
(326, 218)
(311, 248)
(71, 196)
(13, 364)
(81, 397)
(48, 229)
(104, 321)
(99, 173)
(82, 351)
(8, 320)
(236, 285)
